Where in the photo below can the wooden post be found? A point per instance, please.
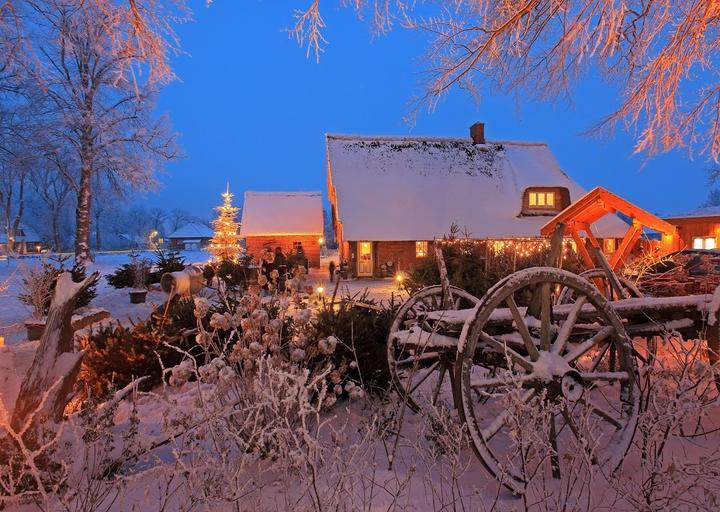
(553, 260)
(48, 385)
(612, 277)
(444, 280)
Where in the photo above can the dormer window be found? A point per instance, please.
(541, 199)
(545, 200)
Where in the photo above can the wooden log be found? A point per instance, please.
(47, 386)
(444, 279)
(553, 260)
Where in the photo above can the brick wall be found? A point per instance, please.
(401, 253)
(311, 247)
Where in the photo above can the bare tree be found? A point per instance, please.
(53, 189)
(99, 109)
(661, 53)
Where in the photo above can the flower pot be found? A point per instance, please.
(137, 296)
(35, 329)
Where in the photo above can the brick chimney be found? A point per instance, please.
(477, 132)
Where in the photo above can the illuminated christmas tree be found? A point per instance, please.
(225, 243)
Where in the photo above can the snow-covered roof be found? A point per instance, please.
(282, 213)
(24, 234)
(706, 211)
(414, 188)
(192, 230)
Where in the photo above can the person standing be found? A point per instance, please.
(331, 270)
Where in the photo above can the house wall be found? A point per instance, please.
(179, 243)
(256, 244)
(401, 253)
(690, 227)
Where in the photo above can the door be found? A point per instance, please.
(365, 259)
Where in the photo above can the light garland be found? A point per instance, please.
(519, 247)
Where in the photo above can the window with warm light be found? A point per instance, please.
(541, 199)
(704, 242)
(421, 249)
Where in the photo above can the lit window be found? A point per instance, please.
(609, 245)
(541, 199)
(421, 249)
(704, 242)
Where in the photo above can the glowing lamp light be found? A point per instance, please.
(320, 290)
(321, 240)
(399, 278)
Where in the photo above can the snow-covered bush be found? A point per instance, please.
(39, 285)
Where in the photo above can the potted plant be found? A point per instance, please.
(37, 293)
(139, 268)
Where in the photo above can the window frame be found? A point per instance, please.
(543, 199)
(704, 242)
(421, 248)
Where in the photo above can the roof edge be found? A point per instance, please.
(399, 138)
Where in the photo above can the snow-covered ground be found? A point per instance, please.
(13, 313)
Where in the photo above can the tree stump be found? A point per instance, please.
(48, 385)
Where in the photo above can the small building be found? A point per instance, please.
(27, 241)
(292, 221)
(698, 229)
(392, 196)
(194, 236)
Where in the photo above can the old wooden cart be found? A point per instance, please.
(542, 338)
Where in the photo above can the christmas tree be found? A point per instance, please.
(225, 245)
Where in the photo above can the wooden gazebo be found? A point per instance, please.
(580, 215)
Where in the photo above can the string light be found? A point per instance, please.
(519, 247)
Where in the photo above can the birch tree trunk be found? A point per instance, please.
(47, 386)
(82, 215)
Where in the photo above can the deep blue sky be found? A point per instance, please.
(251, 108)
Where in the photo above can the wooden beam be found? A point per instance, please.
(582, 249)
(626, 245)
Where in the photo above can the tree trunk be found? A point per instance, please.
(82, 213)
(47, 386)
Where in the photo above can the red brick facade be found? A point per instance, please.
(310, 244)
(402, 254)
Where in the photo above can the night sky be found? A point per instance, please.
(252, 109)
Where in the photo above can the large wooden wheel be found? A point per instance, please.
(422, 344)
(599, 278)
(567, 376)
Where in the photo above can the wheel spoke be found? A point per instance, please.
(570, 422)
(425, 377)
(545, 316)
(502, 348)
(443, 370)
(607, 376)
(497, 423)
(509, 380)
(598, 411)
(554, 456)
(412, 360)
(567, 327)
(583, 347)
(522, 329)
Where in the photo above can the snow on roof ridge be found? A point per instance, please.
(280, 193)
(434, 138)
(703, 211)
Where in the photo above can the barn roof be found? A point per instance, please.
(706, 211)
(192, 230)
(24, 234)
(414, 188)
(282, 213)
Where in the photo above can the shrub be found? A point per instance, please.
(116, 355)
(361, 325)
(166, 262)
(476, 265)
(39, 286)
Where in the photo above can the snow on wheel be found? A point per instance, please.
(422, 343)
(555, 380)
(599, 278)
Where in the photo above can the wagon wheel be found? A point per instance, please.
(599, 278)
(421, 372)
(555, 383)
